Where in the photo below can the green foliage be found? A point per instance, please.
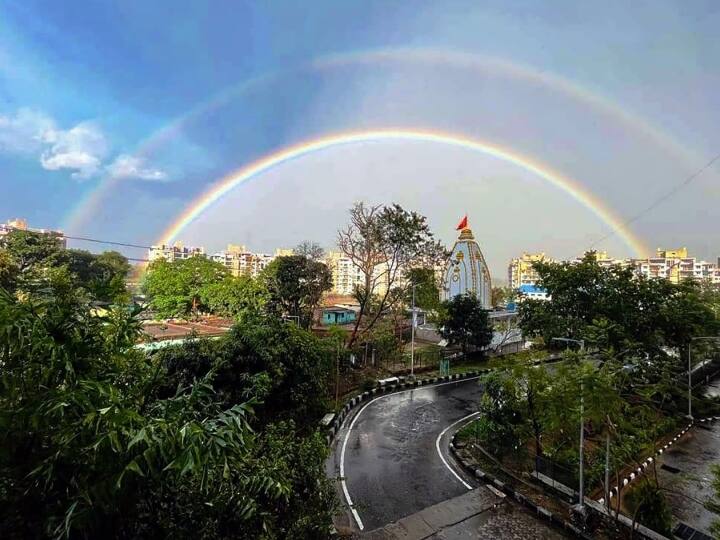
(26, 257)
(614, 310)
(178, 288)
(502, 295)
(647, 504)
(286, 370)
(391, 239)
(215, 439)
(427, 291)
(295, 285)
(500, 424)
(238, 297)
(465, 323)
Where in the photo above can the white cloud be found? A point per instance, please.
(25, 131)
(126, 166)
(81, 149)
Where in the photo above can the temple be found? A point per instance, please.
(466, 271)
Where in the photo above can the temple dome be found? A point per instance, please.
(466, 271)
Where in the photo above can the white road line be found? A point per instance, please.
(437, 445)
(347, 436)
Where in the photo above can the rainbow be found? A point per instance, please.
(90, 204)
(254, 169)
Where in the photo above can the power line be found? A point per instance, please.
(87, 239)
(657, 202)
(112, 243)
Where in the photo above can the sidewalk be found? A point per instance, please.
(478, 514)
(685, 468)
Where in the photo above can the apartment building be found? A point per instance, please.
(20, 224)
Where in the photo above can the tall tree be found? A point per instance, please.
(177, 289)
(466, 323)
(235, 296)
(614, 310)
(427, 291)
(311, 250)
(26, 255)
(295, 285)
(384, 242)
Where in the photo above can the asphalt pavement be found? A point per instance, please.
(388, 452)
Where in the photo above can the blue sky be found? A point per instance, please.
(85, 85)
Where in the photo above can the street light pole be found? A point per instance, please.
(581, 342)
(412, 336)
(697, 338)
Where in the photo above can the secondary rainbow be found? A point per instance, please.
(92, 202)
(254, 169)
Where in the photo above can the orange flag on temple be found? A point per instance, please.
(462, 224)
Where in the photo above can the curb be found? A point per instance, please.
(645, 464)
(497, 484)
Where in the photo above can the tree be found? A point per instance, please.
(616, 311)
(177, 289)
(647, 504)
(295, 285)
(311, 250)
(500, 424)
(103, 275)
(502, 295)
(239, 296)
(100, 439)
(26, 255)
(466, 323)
(384, 242)
(427, 291)
(30, 250)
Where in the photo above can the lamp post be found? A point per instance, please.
(412, 335)
(581, 491)
(697, 338)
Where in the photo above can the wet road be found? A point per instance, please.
(391, 464)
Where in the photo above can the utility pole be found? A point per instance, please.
(412, 336)
(337, 375)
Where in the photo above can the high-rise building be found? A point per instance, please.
(20, 224)
(673, 264)
(466, 271)
(240, 261)
(175, 252)
(521, 271)
(676, 265)
(345, 274)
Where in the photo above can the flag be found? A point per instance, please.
(462, 224)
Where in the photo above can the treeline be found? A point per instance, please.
(626, 363)
(98, 439)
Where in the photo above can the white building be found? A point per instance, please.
(175, 252)
(240, 261)
(20, 224)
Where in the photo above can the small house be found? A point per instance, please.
(337, 315)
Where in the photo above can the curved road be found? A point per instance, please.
(387, 453)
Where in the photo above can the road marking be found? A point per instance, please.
(347, 436)
(437, 445)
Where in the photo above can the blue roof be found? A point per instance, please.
(530, 289)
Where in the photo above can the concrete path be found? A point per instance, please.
(685, 470)
(477, 514)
